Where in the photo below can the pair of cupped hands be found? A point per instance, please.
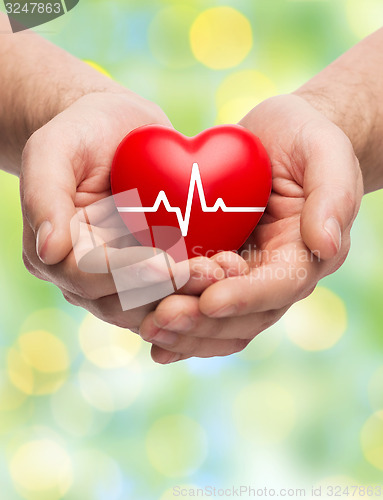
(303, 236)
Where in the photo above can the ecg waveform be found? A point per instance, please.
(195, 180)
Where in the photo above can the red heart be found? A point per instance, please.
(226, 163)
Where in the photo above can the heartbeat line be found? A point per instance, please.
(195, 180)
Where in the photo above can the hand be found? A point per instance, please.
(303, 236)
(66, 166)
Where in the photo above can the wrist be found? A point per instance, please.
(353, 111)
(63, 99)
(42, 109)
(38, 81)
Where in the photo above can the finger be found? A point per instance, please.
(109, 309)
(332, 188)
(164, 357)
(203, 273)
(206, 271)
(136, 267)
(182, 316)
(130, 272)
(232, 263)
(139, 278)
(196, 347)
(137, 282)
(270, 286)
(48, 188)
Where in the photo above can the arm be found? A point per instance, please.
(312, 138)
(60, 124)
(350, 93)
(37, 81)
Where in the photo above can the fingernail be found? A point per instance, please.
(332, 227)
(228, 310)
(165, 338)
(181, 323)
(43, 234)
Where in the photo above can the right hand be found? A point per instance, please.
(317, 189)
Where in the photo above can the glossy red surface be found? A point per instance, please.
(233, 165)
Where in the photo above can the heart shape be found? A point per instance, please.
(213, 188)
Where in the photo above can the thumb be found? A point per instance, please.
(48, 188)
(333, 188)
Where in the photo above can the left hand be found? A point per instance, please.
(303, 236)
(66, 168)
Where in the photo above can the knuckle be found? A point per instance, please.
(194, 348)
(87, 292)
(29, 266)
(178, 343)
(157, 113)
(189, 345)
(271, 317)
(200, 265)
(240, 344)
(307, 292)
(215, 330)
(347, 199)
(81, 284)
(301, 280)
(258, 327)
(103, 309)
(34, 143)
(29, 146)
(226, 257)
(27, 262)
(251, 333)
(99, 308)
(133, 329)
(70, 299)
(29, 200)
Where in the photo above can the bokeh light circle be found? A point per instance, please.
(44, 351)
(364, 17)
(110, 390)
(107, 346)
(221, 38)
(240, 92)
(176, 445)
(74, 414)
(38, 363)
(56, 322)
(11, 398)
(265, 411)
(41, 469)
(97, 476)
(265, 344)
(169, 36)
(371, 438)
(317, 322)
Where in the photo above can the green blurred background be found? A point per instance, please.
(84, 412)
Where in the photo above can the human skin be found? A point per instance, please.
(325, 145)
(69, 119)
(60, 124)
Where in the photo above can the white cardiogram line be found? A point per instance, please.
(195, 179)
